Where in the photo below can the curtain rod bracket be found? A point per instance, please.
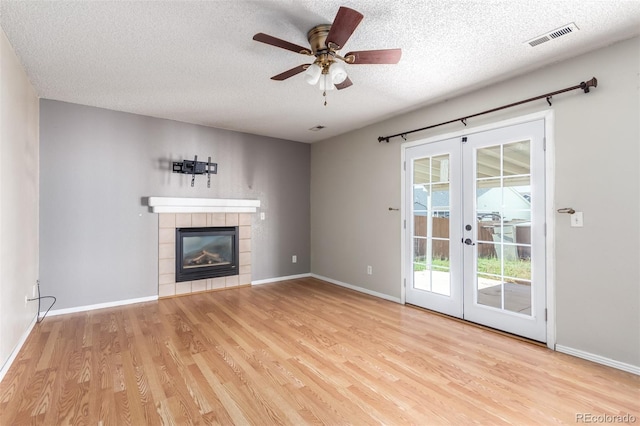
(586, 84)
(549, 100)
(464, 121)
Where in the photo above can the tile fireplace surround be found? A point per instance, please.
(207, 213)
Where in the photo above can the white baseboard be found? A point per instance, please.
(16, 350)
(100, 306)
(359, 289)
(276, 279)
(599, 359)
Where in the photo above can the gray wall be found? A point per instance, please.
(354, 179)
(18, 201)
(98, 242)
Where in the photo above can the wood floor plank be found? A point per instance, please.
(231, 410)
(296, 352)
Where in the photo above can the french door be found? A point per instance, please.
(475, 228)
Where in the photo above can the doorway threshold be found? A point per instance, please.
(483, 327)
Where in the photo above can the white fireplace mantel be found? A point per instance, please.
(202, 205)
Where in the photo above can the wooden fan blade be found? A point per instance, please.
(384, 56)
(290, 73)
(344, 84)
(343, 26)
(274, 41)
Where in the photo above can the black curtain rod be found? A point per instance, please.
(585, 85)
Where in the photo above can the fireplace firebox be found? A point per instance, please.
(206, 253)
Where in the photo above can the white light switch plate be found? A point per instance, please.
(576, 220)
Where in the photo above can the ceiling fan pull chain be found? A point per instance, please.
(324, 92)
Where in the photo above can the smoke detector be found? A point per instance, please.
(552, 35)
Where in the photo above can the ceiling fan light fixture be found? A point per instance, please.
(326, 83)
(312, 74)
(338, 72)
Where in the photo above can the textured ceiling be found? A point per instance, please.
(196, 61)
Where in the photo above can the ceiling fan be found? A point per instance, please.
(328, 68)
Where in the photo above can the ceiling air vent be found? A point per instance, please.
(552, 35)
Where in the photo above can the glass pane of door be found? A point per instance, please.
(431, 211)
(503, 206)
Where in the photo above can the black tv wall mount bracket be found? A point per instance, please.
(195, 167)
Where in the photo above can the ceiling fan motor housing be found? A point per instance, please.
(317, 37)
(324, 54)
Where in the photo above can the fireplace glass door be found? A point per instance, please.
(206, 253)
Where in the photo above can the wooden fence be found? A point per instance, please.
(440, 249)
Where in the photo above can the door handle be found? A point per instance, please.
(469, 242)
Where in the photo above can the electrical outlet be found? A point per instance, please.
(262, 215)
(294, 259)
(369, 270)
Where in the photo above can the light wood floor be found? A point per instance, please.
(296, 352)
